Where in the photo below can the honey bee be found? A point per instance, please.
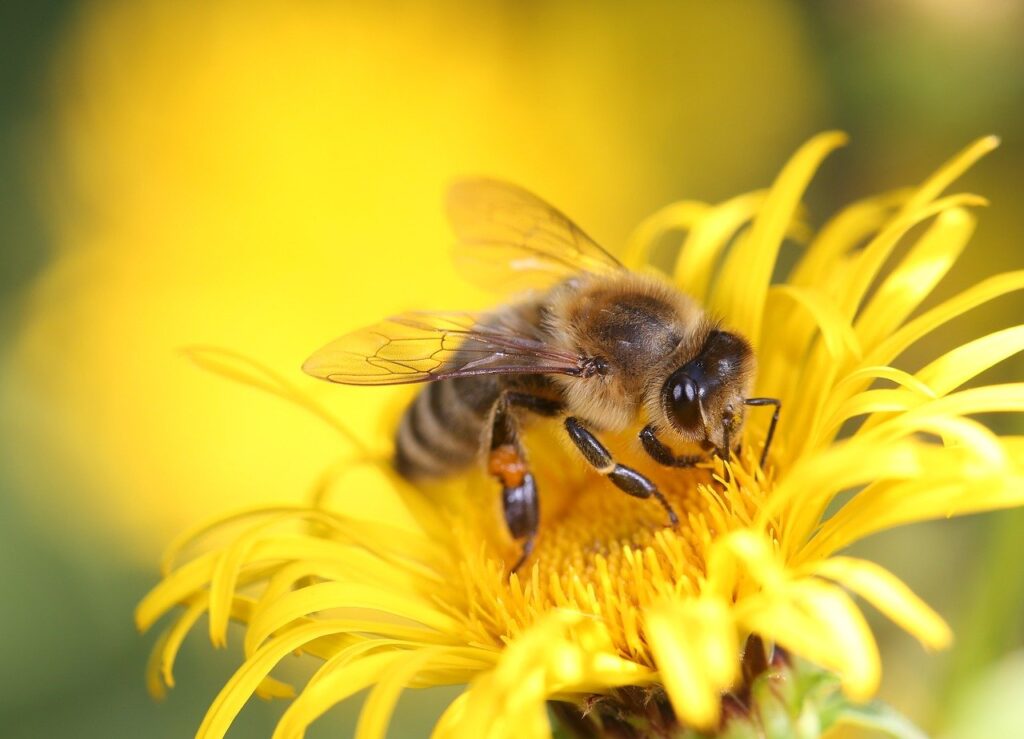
(599, 346)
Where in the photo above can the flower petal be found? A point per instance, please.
(840, 340)
(741, 289)
(679, 216)
(563, 652)
(945, 175)
(695, 265)
(842, 233)
(969, 360)
(821, 623)
(989, 289)
(865, 268)
(811, 484)
(889, 595)
(325, 596)
(696, 650)
(380, 703)
(927, 262)
(864, 376)
(248, 677)
(316, 698)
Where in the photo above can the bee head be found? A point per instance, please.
(703, 399)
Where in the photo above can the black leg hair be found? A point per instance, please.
(520, 503)
(626, 479)
(522, 515)
(661, 454)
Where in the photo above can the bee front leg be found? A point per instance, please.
(625, 478)
(506, 461)
(661, 454)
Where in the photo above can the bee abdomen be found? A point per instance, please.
(441, 430)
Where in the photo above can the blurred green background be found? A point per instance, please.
(181, 172)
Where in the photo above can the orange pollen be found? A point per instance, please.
(506, 464)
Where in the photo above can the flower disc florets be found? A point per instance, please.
(612, 600)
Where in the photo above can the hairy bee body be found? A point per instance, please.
(442, 430)
(636, 328)
(600, 347)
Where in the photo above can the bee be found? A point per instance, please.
(598, 346)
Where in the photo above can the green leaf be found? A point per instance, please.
(879, 717)
(803, 701)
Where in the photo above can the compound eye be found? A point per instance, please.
(684, 402)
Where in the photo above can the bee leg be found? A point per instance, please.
(771, 426)
(535, 403)
(625, 478)
(522, 514)
(728, 421)
(661, 454)
(506, 461)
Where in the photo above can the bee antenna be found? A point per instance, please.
(771, 426)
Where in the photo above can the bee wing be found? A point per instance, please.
(421, 347)
(510, 239)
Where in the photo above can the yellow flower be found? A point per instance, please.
(239, 189)
(611, 598)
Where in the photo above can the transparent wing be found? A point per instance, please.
(510, 239)
(420, 347)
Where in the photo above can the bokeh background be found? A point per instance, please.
(264, 175)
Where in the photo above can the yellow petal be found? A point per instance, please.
(319, 696)
(966, 433)
(448, 725)
(965, 362)
(834, 328)
(1006, 398)
(679, 216)
(912, 501)
(889, 595)
(696, 650)
(244, 682)
(913, 279)
(821, 623)
(225, 577)
(864, 376)
(328, 595)
(984, 291)
(741, 289)
(270, 688)
(181, 585)
(842, 233)
(380, 703)
(945, 175)
(176, 634)
(698, 257)
(865, 403)
(562, 652)
(812, 483)
(864, 270)
(192, 534)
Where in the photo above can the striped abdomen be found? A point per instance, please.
(443, 428)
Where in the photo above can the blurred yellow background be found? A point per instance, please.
(262, 176)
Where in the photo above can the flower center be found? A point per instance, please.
(598, 550)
